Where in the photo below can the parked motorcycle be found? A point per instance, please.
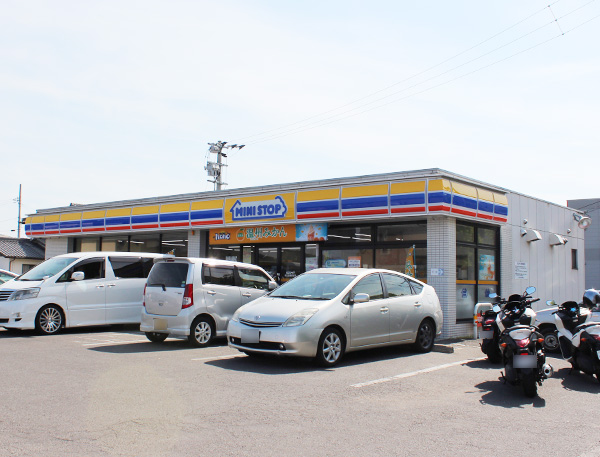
(579, 333)
(521, 344)
(491, 328)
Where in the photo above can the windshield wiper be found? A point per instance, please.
(164, 288)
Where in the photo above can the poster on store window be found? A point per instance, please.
(409, 265)
(354, 262)
(487, 268)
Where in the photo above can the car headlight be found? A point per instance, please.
(300, 318)
(25, 294)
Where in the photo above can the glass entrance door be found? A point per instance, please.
(281, 262)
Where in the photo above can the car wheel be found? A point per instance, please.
(156, 337)
(551, 343)
(425, 337)
(330, 349)
(49, 320)
(202, 332)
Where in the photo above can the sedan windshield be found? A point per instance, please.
(315, 286)
(47, 269)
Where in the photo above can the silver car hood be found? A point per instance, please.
(273, 309)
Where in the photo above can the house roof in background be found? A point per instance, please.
(21, 248)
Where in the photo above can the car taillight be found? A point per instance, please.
(522, 343)
(188, 296)
(144, 302)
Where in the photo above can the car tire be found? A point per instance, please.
(551, 342)
(156, 337)
(330, 349)
(202, 332)
(425, 336)
(49, 320)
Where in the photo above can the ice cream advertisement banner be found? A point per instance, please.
(311, 232)
(487, 268)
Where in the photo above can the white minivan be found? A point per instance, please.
(77, 289)
(194, 298)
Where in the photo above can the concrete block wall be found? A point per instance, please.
(56, 246)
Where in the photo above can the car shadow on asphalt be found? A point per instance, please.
(148, 346)
(276, 365)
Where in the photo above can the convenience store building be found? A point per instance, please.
(464, 237)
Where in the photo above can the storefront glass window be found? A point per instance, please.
(312, 257)
(465, 233)
(175, 243)
(291, 262)
(349, 235)
(411, 261)
(267, 259)
(224, 252)
(86, 244)
(476, 267)
(348, 258)
(247, 254)
(115, 243)
(144, 243)
(402, 232)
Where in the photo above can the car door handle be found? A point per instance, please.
(111, 285)
(211, 292)
(384, 310)
(418, 305)
(99, 286)
(247, 295)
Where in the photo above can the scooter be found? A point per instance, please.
(522, 345)
(579, 333)
(491, 327)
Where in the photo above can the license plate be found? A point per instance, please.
(486, 334)
(160, 324)
(250, 335)
(525, 361)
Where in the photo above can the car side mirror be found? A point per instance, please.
(272, 285)
(78, 276)
(361, 298)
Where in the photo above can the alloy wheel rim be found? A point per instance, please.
(551, 341)
(203, 332)
(50, 320)
(425, 335)
(332, 347)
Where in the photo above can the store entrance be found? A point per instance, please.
(281, 262)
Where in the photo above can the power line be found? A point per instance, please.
(340, 116)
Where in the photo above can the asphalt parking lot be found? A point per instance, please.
(110, 392)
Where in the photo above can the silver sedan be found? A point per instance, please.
(326, 312)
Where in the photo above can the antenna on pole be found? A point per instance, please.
(214, 169)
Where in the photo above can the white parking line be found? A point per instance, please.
(204, 359)
(414, 373)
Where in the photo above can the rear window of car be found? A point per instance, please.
(396, 286)
(168, 274)
(131, 267)
(416, 287)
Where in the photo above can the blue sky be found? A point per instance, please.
(104, 101)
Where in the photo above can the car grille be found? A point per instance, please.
(4, 294)
(260, 324)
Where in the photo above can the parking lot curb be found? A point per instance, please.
(445, 348)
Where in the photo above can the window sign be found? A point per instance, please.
(487, 267)
(353, 262)
(335, 263)
(311, 232)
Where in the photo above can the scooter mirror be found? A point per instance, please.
(496, 309)
(493, 295)
(551, 303)
(530, 290)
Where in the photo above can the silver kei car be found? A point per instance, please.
(326, 312)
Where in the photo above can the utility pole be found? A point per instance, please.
(214, 169)
(18, 200)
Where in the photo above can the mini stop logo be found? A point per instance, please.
(266, 209)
